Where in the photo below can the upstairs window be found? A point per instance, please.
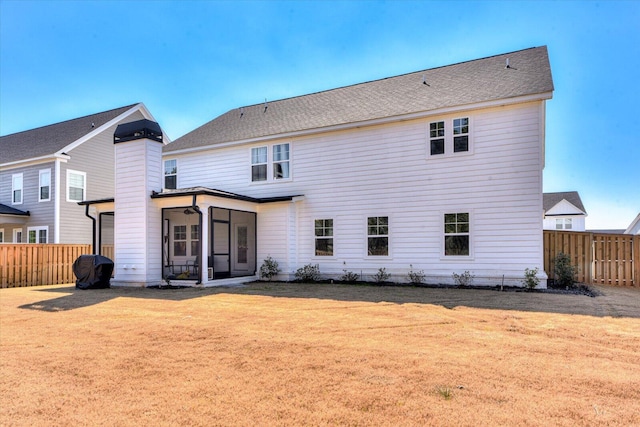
(378, 236)
(45, 185)
(76, 186)
(281, 161)
(259, 164)
(324, 237)
(16, 189)
(564, 224)
(460, 135)
(456, 234)
(436, 138)
(171, 174)
(449, 137)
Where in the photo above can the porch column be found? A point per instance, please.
(204, 244)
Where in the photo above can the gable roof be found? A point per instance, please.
(549, 200)
(452, 86)
(51, 139)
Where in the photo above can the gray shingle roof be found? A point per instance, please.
(47, 140)
(549, 200)
(455, 85)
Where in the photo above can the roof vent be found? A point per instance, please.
(140, 129)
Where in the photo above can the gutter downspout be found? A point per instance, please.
(86, 213)
(197, 209)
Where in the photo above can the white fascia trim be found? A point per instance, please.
(372, 122)
(34, 161)
(100, 129)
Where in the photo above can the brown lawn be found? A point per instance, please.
(287, 354)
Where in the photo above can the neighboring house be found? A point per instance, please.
(563, 211)
(634, 227)
(437, 171)
(45, 172)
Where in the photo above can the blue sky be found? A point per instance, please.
(190, 61)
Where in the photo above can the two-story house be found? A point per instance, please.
(45, 172)
(438, 171)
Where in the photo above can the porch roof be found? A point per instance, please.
(193, 191)
(8, 210)
(196, 191)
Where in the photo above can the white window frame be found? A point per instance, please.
(41, 173)
(84, 189)
(165, 174)
(449, 137)
(37, 230)
(176, 240)
(17, 184)
(564, 223)
(270, 163)
(444, 234)
(323, 236)
(367, 236)
(17, 232)
(256, 160)
(1, 235)
(275, 162)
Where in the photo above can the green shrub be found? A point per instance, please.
(349, 276)
(531, 279)
(415, 277)
(269, 268)
(308, 273)
(381, 275)
(564, 271)
(464, 279)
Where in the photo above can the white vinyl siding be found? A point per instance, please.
(17, 189)
(387, 170)
(44, 185)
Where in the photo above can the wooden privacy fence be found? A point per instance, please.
(38, 264)
(606, 259)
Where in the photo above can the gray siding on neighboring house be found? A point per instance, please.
(42, 213)
(95, 158)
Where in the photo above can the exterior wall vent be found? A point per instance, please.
(140, 129)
